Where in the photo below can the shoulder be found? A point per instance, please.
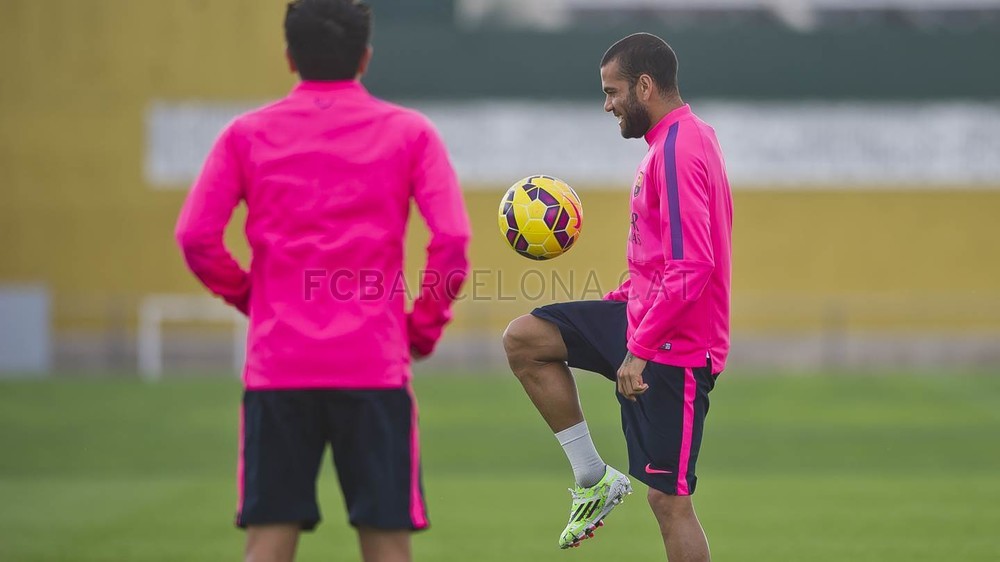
(400, 115)
(692, 133)
(700, 131)
(682, 141)
(407, 117)
(246, 123)
(417, 130)
(693, 142)
(681, 153)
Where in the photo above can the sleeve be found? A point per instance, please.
(202, 223)
(439, 200)
(685, 229)
(621, 293)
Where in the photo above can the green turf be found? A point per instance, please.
(810, 468)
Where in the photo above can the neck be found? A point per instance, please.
(325, 81)
(661, 109)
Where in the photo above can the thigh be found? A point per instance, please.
(594, 333)
(281, 446)
(376, 450)
(663, 428)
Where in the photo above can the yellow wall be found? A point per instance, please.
(77, 76)
(878, 251)
(76, 214)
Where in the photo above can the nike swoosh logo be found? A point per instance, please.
(651, 470)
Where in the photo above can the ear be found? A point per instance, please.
(645, 87)
(366, 58)
(291, 62)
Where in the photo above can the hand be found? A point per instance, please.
(630, 383)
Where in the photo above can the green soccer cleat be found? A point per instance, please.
(591, 505)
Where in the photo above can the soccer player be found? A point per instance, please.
(328, 174)
(663, 336)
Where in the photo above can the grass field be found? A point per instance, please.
(808, 468)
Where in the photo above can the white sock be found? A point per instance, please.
(588, 467)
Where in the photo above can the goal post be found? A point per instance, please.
(159, 310)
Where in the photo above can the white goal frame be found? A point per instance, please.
(159, 309)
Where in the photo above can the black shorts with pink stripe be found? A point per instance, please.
(663, 428)
(373, 436)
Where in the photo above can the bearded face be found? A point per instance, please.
(622, 100)
(633, 119)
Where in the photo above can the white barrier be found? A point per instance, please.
(794, 144)
(157, 310)
(799, 14)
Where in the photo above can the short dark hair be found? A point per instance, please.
(327, 38)
(644, 53)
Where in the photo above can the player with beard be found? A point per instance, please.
(663, 336)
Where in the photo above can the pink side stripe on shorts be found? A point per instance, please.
(690, 393)
(418, 511)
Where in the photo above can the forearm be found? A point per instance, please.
(215, 267)
(447, 269)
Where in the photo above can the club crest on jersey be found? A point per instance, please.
(638, 185)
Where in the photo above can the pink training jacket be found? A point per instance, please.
(679, 247)
(328, 174)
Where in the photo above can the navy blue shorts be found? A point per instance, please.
(373, 435)
(663, 428)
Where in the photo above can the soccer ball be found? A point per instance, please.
(540, 217)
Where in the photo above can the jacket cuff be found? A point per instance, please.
(616, 295)
(422, 338)
(240, 302)
(640, 351)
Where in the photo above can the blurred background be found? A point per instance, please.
(862, 139)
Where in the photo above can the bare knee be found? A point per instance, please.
(379, 545)
(517, 343)
(669, 509)
(271, 543)
(517, 336)
(530, 341)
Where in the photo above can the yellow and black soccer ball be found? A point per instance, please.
(540, 217)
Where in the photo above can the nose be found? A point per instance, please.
(607, 105)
